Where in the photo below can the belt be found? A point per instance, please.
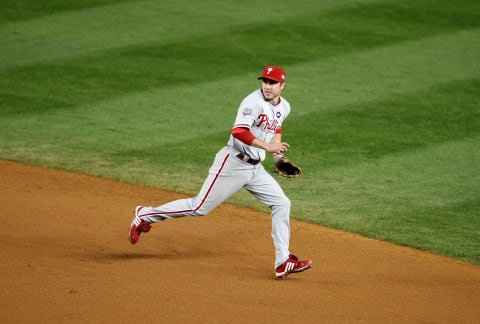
(249, 160)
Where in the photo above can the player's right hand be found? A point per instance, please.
(279, 148)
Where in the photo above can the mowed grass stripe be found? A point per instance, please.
(435, 176)
(379, 73)
(114, 73)
(13, 11)
(78, 28)
(371, 130)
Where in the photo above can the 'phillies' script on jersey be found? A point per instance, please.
(263, 119)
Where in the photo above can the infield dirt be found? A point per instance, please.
(65, 258)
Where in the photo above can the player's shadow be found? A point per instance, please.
(129, 256)
(111, 256)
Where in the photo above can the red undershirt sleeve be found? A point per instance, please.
(243, 134)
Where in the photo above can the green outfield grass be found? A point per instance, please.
(385, 98)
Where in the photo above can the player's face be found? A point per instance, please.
(272, 90)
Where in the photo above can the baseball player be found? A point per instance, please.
(257, 129)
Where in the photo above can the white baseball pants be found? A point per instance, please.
(226, 176)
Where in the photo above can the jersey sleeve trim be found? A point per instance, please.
(243, 134)
(244, 125)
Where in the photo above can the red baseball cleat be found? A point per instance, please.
(138, 226)
(292, 265)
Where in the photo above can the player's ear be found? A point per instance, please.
(283, 85)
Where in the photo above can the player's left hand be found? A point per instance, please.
(286, 168)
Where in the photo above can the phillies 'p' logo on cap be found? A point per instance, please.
(274, 73)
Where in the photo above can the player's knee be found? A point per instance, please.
(201, 208)
(203, 211)
(283, 202)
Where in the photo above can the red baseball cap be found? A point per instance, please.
(274, 73)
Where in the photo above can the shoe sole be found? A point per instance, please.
(283, 276)
(302, 269)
